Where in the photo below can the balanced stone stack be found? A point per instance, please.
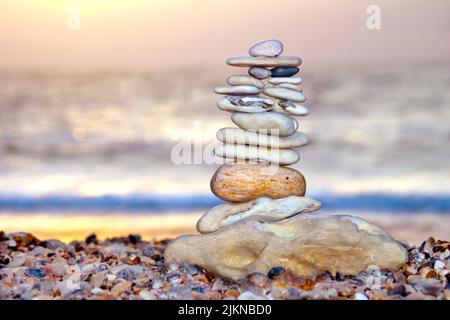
(267, 222)
(266, 131)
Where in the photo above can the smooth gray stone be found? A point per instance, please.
(259, 73)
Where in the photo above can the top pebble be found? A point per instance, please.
(267, 48)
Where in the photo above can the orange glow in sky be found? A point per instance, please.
(174, 33)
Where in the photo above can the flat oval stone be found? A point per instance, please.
(245, 104)
(266, 122)
(289, 86)
(285, 94)
(293, 108)
(284, 71)
(284, 61)
(236, 182)
(259, 73)
(239, 136)
(245, 81)
(291, 80)
(237, 90)
(264, 209)
(267, 48)
(283, 157)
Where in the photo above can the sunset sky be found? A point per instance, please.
(186, 33)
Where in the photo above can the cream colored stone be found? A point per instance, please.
(264, 209)
(248, 61)
(289, 86)
(283, 157)
(236, 182)
(280, 80)
(237, 90)
(245, 81)
(239, 136)
(266, 122)
(285, 94)
(305, 244)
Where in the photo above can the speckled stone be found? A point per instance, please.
(238, 182)
(267, 48)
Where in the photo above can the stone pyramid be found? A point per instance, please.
(266, 224)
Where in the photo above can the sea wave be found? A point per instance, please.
(160, 203)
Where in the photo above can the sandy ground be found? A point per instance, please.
(413, 228)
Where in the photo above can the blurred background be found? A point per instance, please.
(95, 93)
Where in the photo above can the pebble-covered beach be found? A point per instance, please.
(131, 269)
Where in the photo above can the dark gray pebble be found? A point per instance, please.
(189, 268)
(160, 263)
(274, 272)
(35, 272)
(134, 239)
(199, 289)
(284, 71)
(91, 239)
(103, 267)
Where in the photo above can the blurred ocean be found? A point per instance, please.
(101, 140)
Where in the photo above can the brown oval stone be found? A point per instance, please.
(238, 182)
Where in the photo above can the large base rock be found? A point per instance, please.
(305, 244)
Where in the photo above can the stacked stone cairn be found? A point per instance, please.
(267, 225)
